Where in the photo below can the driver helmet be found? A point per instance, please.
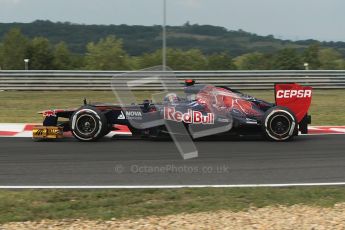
(171, 97)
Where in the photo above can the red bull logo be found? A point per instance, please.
(192, 117)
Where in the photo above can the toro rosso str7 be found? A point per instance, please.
(200, 105)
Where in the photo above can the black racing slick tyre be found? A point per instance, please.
(279, 124)
(88, 124)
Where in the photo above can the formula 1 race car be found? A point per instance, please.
(200, 106)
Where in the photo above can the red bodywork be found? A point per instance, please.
(295, 97)
(220, 97)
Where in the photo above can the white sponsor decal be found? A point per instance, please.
(293, 93)
(130, 115)
(223, 120)
(133, 114)
(251, 121)
(121, 116)
(191, 116)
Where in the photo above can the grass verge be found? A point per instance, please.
(327, 106)
(34, 205)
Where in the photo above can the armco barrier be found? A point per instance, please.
(101, 80)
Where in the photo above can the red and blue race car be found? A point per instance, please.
(200, 106)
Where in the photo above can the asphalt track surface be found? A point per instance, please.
(307, 159)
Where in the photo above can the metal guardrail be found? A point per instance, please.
(102, 80)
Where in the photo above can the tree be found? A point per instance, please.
(177, 59)
(107, 54)
(253, 61)
(14, 50)
(192, 59)
(78, 61)
(287, 59)
(150, 59)
(40, 53)
(311, 56)
(330, 59)
(62, 57)
(1, 55)
(221, 61)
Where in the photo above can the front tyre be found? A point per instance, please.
(88, 124)
(279, 124)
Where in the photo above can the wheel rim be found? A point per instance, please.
(280, 125)
(86, 124)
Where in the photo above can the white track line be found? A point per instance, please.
(173, 186)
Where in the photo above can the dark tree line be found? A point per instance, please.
(109, 53)
(138, 40)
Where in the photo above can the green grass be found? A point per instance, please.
(23, 106)
(103, 204)
(327, 108)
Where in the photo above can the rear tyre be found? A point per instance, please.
(88, 124)
(279, 124)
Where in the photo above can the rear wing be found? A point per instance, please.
(295, 97)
